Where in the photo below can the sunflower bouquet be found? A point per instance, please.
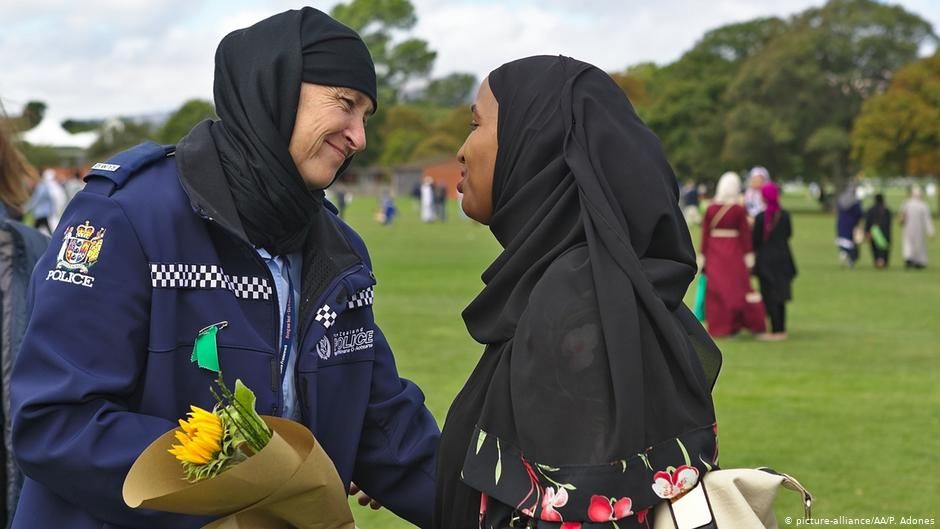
(247, 470)
(212, 441)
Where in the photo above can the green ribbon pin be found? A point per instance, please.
(205, 350)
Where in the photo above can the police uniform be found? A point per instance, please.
(142, 260)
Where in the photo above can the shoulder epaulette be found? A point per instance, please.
(124, 165)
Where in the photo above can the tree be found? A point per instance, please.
(416, 132)
(898, 132)
(396, 64)
(33, 114)
(811, 80)
(184, 119)
(74, 126)
(451, 90)
(688, 109)
(633, 86)
(447, 134)
(119, 135)
(403, 129)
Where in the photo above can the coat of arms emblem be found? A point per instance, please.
(323, 348)
(80, 249)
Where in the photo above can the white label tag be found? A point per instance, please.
(106, 167)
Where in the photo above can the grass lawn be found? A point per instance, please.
(850, 404)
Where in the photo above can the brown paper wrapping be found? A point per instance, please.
(290, 483)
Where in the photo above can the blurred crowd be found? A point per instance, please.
(745, 236)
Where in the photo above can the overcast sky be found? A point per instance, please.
(100, 58)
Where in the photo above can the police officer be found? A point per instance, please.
(227, 230)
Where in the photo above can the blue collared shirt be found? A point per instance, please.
(291, 407)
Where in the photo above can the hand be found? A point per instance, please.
(363, 498)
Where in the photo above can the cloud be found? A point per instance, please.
(99, 58)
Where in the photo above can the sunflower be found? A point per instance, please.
(200, 437)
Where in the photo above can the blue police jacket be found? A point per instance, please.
(148, 254)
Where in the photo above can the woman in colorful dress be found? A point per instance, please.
(590, 403)
(730, 303)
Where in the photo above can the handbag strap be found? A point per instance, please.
(793, 484)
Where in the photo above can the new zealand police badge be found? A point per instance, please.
(79, 252)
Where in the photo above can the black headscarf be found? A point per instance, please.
(591, 357)
(258, 72)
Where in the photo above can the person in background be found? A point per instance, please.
(878, 231)
(730, 303)
(41, 206)
(342, 200)
(917, 226)
(427, 200)
(753, 201)
(73, 184)
(774, 265)
(589, 355)
(691, 203)
(388, 207)
(20, 248)
(848, 215)
(440, 202)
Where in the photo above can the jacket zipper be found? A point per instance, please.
(275, 309)
(276, 379)
(309, 321)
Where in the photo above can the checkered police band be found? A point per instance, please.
(208, 276)
(361, 298)
(326, 316)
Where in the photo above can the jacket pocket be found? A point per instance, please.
(172, 382)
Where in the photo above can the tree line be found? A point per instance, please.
(828, 93)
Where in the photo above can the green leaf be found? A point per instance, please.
(685, 453)
(244, 396)
(708, 467)
(499, 461)
(480, 439)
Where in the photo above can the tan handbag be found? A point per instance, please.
(740, 498)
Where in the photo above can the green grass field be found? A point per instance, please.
(850, 404)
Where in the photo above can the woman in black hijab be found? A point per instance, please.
(232, 229)
(266, 113)
(592, 400)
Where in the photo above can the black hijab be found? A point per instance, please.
(591, 357)
(258, 72)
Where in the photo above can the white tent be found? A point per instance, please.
(49, 132)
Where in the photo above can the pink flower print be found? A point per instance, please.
(550, 500)
(668, 485)
(604, 509)
(571, 525)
